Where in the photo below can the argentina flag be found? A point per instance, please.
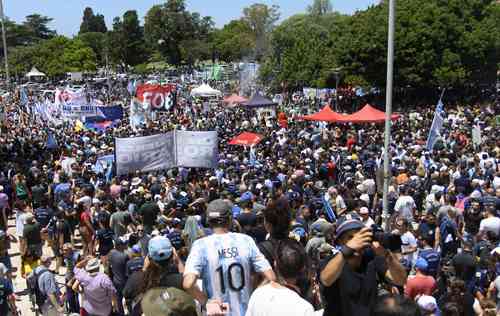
(437, 125)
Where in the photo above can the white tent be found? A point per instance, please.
(35, 73)
(205, 91)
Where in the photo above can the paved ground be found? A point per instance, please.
(23, 303)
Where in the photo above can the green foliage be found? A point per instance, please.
(98, 42)
(54, 57)
(437, 43)
(37, 26)
(92, 22)
(176, 33)
(234, 41)
(127, 45)
(261, 19)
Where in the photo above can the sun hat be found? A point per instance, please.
(92, 265)
(167, 302)
(160, 248)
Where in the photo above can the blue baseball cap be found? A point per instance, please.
(160, 248)
(136, 248)
(347, 223)
(421, 264)
(247, 196)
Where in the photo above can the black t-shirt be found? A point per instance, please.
(247, 221)
(149, 212)
(37, 193)
(118, 266)
(472, 220)
(354, 292)
(134, 265)
(32, 234)
(465, 266)
(427, 231)
(43, 215)
(105, 238)
(155, 189)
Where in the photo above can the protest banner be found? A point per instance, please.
(157, 97)
(165, 151)
(69, 95)
(79, 110)
(196, 149)
(148, 153)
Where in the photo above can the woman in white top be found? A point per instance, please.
(20, 211)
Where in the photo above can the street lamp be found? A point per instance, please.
(336, 73)
(388, 113)
(2, 17)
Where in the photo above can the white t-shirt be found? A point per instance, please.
(409, 241)
(272, 299)
(404, 206)
(369, 222)
(491, 224)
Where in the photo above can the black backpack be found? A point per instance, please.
(34, 289)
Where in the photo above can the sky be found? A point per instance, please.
(67, 14)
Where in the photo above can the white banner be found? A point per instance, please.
(79, 111)
(196, 149)
(165, 151)
(148, 153)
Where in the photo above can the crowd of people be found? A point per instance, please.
(291, 227)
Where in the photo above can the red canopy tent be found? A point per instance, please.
(235, 99)
(325, 115)
(246, 139)
(368, 114)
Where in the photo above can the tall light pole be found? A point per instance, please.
(7, 75)
(388, 112)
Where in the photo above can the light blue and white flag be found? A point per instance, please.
(437, 125)
(23, 96)
(329, 210)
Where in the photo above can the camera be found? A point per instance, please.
(389, 241)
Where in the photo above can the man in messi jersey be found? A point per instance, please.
(224, 261)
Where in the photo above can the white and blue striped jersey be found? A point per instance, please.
(225, 262)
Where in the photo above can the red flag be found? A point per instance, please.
(159, 96)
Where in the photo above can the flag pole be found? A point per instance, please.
(388, 113)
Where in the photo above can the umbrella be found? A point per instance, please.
(246, 139)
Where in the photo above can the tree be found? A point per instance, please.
(173, 31)
(261, 19)
(92, 22)
(302, 53)
(234, 41)
(99, 44)
(127, 40)
(60, 55)
(37, 25)
(320, 7)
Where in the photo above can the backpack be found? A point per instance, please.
(34, 288)
(21, 191)
(433, 259)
